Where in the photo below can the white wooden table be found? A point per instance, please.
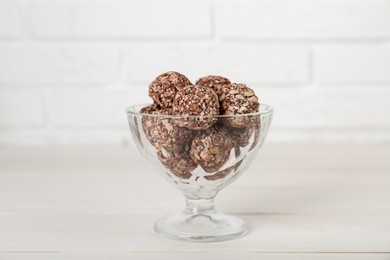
(101, 202)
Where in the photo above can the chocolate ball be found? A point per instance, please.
(163, 89)
(179, 162)
(241, 136)
(257, 131)
(144, 119)
(213, 82)
(147, 120)
(149, 109)
(211, 148)
(222, 174)
(238, 99)
(163, 132)
(198, 104)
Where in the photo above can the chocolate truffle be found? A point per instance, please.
(238, 99)
(257, 130)
(163, 132)
(211, 148)
(213, 82)
(149, 109)
(147, 121)
(163, 89)
(198, 104)
(223, 173)
(241, 136)
(178, 162)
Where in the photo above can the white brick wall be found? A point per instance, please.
(9, 18)
(353, 63)
(99, 108)
(342, 108)
(112, 18)
(21, 108)
(304, 19)
(250, 63)
(70, 62)
(68, 68)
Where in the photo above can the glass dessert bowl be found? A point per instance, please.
(199, 163)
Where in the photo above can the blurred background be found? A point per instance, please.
(69, 68)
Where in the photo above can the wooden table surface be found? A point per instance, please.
(101, 202)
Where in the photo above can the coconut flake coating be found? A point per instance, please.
(195, 102)
(238, 99)
(145, 110)
(163, 89)
(149, 109)
(213, 82)
(163, 132)
(148, 121)
(179, 162)
(211, 148)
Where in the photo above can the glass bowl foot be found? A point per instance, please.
(210, 227)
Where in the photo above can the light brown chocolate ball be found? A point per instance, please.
(162, 132)
(245, 136)
(144, 119)
(214, 82)
(257, 131)
(241, 136)
(179, 162)
(222, 174)
(147, 120)
(149, 109)
(198, 104)
(238, 99)
(163, 89)
(211, 148)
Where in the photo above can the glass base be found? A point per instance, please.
(210, 227)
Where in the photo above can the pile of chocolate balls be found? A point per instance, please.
(201, 128)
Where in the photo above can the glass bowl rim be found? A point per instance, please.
(264, 110)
